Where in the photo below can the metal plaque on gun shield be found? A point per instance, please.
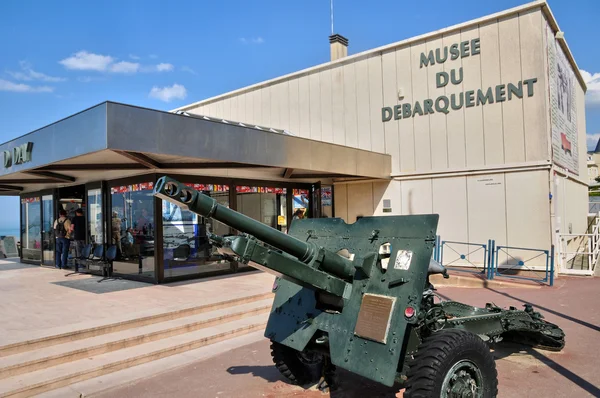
(374, 317)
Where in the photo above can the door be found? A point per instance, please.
(48, 244)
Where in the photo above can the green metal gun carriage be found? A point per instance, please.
(357, 296)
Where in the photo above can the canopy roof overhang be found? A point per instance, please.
(111, 141)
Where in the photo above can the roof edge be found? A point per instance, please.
(365, 54)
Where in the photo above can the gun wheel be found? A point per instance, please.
(298, 367)
(452, 363)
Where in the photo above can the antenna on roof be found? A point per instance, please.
(331, 2)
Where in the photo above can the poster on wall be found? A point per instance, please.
(563, 112)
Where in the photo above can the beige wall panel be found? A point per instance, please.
(452, 208)
(421, 123)
(490, 77)
(406, 135)
(209, 109)
(326, 106)
(533, 54)
(581, 130)
(528, 214)
(275, 102)
(453, 224)
(360, 201)
(350, 104)
(340, 199)
(294, 107)
(265, 101)
(375, 104)
(486, 202)
(226, 109)
(417, 197)
(284, 106)
(233, 108)
(474, 134)
(437, 121)
(199, 110)
(337, 92)
(249, 107)
(241, 108)
(315, 106)
(390, 98)
(257, 108)
(455, 120)
(304, 106)
(363, 111)
(575, 207)
(387, 190)
(218, 109)
(510, 71)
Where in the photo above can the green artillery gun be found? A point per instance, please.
(357, 296)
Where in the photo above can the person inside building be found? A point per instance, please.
(298, 214)
(62, 233)
(79, 232)
(116, 231)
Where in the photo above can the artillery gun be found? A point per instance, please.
(357, 296)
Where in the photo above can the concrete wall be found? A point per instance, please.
(513, 208)
(342, 103)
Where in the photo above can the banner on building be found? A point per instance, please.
(563, 110)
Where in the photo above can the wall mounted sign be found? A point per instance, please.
(469, 98)
(18, 155)
(563, 110)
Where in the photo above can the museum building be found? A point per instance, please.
(480, 123)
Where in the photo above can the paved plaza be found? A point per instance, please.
(36, 301)
(572, 303)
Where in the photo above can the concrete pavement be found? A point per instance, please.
(572, 304)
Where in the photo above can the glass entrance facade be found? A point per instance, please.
(154, 240)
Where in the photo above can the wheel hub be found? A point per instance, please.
(463, 380)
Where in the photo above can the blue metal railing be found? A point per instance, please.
(463, 251)
(519, 264)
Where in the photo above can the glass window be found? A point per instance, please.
(132, 229)
(264, 204)
(95, 227)
(31, 231)
(48, 229)
(186, 247)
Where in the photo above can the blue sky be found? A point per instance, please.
(58, 60)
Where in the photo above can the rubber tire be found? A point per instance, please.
(438, 353)
(291, 367)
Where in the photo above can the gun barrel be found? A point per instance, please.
(176, 192)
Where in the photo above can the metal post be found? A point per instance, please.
(486, 260)
(494, 258)
(441, 253)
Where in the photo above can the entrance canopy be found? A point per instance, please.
(112, 140)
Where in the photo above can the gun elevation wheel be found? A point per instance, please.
(298, 367)
(452, 363)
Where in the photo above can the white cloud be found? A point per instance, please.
(28, 74)
(5, 85)
(592, 80)
(167, 94)
(125, 67)
(163, 67)
(592, 140)
(134, 57)
(188, 69)
(84, 60)
(252, 40)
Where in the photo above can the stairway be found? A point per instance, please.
(42, 366)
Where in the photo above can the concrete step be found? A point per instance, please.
(47, 341)
(105, 384)
(44, 380)
(46, 357)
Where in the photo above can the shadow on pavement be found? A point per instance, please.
(559, 314)
(349, 384)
